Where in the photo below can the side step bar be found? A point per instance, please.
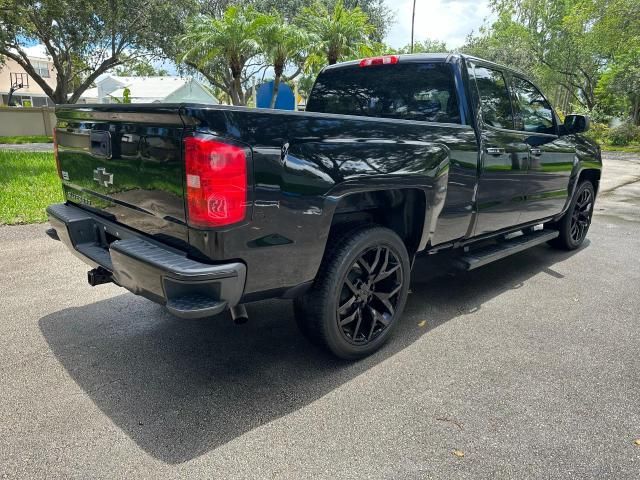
(484, 255)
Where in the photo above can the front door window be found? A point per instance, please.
(534, 114)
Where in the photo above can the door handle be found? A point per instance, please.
(536, 152)
(495, 151)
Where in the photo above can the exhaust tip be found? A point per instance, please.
(52, 233)
(239, 314)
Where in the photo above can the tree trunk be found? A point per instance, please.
(86, 83)
(237, 95)
(60, 95)
(274, 94)
(236, 91)
(278, 69)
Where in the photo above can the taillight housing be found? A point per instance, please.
(384, 60)
(216, 179)
(55, 153)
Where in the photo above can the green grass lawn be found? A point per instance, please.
(27, 139)
(627, 149)
(28, 183)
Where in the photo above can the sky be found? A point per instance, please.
(447, 20)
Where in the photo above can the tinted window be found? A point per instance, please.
(494, 98)
(408, 91)
(534, 113)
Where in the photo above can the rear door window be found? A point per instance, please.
(407, 91)
(534, 114)
(495, 103)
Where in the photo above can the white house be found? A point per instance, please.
(110, 89)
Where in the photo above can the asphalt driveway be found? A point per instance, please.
(527, 368)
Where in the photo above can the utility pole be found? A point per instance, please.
(413, 22)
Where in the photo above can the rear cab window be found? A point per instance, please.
(406, 91)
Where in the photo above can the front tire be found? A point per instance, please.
(575, 223)
(359, 293)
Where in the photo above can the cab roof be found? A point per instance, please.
(428, 57)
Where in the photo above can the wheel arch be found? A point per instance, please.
(402, 210)
(591, 174)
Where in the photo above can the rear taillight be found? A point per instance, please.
(216, 182)
(385, 60)
(55, 153)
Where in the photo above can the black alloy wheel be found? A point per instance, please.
(581, 216)
(369, 295)
(575, 223)
(359, 292)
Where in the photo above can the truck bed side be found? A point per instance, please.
(304, 164)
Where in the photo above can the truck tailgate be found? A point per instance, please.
(125, 163)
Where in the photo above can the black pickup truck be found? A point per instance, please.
(204, 208)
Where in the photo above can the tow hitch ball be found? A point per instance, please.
(98, 276)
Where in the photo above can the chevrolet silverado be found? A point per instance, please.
(203, 208)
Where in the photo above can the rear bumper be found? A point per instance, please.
(189, 289)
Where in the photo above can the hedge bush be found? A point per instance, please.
(623, 134)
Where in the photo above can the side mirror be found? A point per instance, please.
(575, 123)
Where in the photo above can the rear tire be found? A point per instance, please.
(575, 223)
(359, 293)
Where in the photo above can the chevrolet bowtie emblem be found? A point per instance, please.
(101, 176)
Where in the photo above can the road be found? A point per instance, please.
(527, 368)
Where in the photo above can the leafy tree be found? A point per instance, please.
(614, 30)
(85, 39)
(221, 49)
(305, 84)
(490, 44)
(614, 25)
(426, 46)
(232, 42)
(140, 68)
(380, 15)
(550, 39)
(283, 45)
(126, 96)
(338, 34)
(569, 45)
(619, 86)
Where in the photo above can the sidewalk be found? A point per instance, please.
(28, 147)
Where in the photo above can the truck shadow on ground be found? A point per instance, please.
(181, 388)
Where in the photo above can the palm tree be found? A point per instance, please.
(221, 48)
(339, 34)
(282, 44)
